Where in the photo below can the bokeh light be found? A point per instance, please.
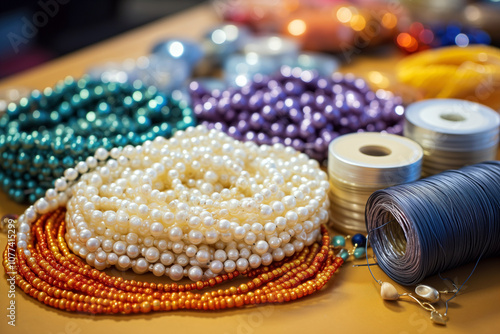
(358, 22)
(297, 27)
(426, 36)
(389, 20)
(462, 40)
(344, 14)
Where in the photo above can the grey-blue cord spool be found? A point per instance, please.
(436, 223)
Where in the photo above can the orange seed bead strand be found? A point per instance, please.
(56, 277)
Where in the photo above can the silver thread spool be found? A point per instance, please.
(453, 133)
(361, 163)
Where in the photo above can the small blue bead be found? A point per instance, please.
(18, 196)
(120, 140)
(53, 162)
(39, 192)
(93, 146)
(45, 171)
(338, 241)
(11, 192)
(38, 161)
(7, 184)
(13, 142)
(33, 171)
(57, 171)
(343, 254)
(32, 198)
(19, 184)
(44, 143)
(358, 239)
(23, 158)
(68, 162)
(76, 148)
(29, 142)
(359, 252)
(3, 143)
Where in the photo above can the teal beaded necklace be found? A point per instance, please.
(49, 131)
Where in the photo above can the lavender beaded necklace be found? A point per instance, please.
(298, 108)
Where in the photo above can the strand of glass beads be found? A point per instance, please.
(197, 205)
(298, 108)
(49, 131)
(47, 271)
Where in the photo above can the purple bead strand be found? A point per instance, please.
(298, 108)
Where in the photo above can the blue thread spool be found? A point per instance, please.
(438, 223)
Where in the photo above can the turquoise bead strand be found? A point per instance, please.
(54, 129)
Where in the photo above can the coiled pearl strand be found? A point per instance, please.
(196, 205)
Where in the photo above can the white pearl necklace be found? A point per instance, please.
(196, 205)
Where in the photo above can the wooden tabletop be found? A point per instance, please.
(349, 303)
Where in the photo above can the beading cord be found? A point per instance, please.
(49, 131)
(437, 223)
(453, 133)
(361, 163)
(50, 273)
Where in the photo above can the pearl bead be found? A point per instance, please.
(211, 237)
(229, 266)
(261, 247)
(195, 237)
(24, 228)
(203, 256)
(91, 162)
(101, 154)
(191, 251)
(232, 254)
(254, 261)
(158, 269)
(92, 244)
(60, 184)
(124, 261)
(133, 251)
(178, 247)
(70, 174)
(278, 254)
(176, 272)
(141, 266)
(167, 258)
(50, 194)
(175, 234)
(101, 256)
(239, 232)
(220, 255)
(274, 242)
(156, 229)
(267, 259)
(269, 228)
(112, 258)
(195, 273)
(241, 264)
(265, 210)
(216, 266)
(289, 249)
(42, 206)
(119, 248)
